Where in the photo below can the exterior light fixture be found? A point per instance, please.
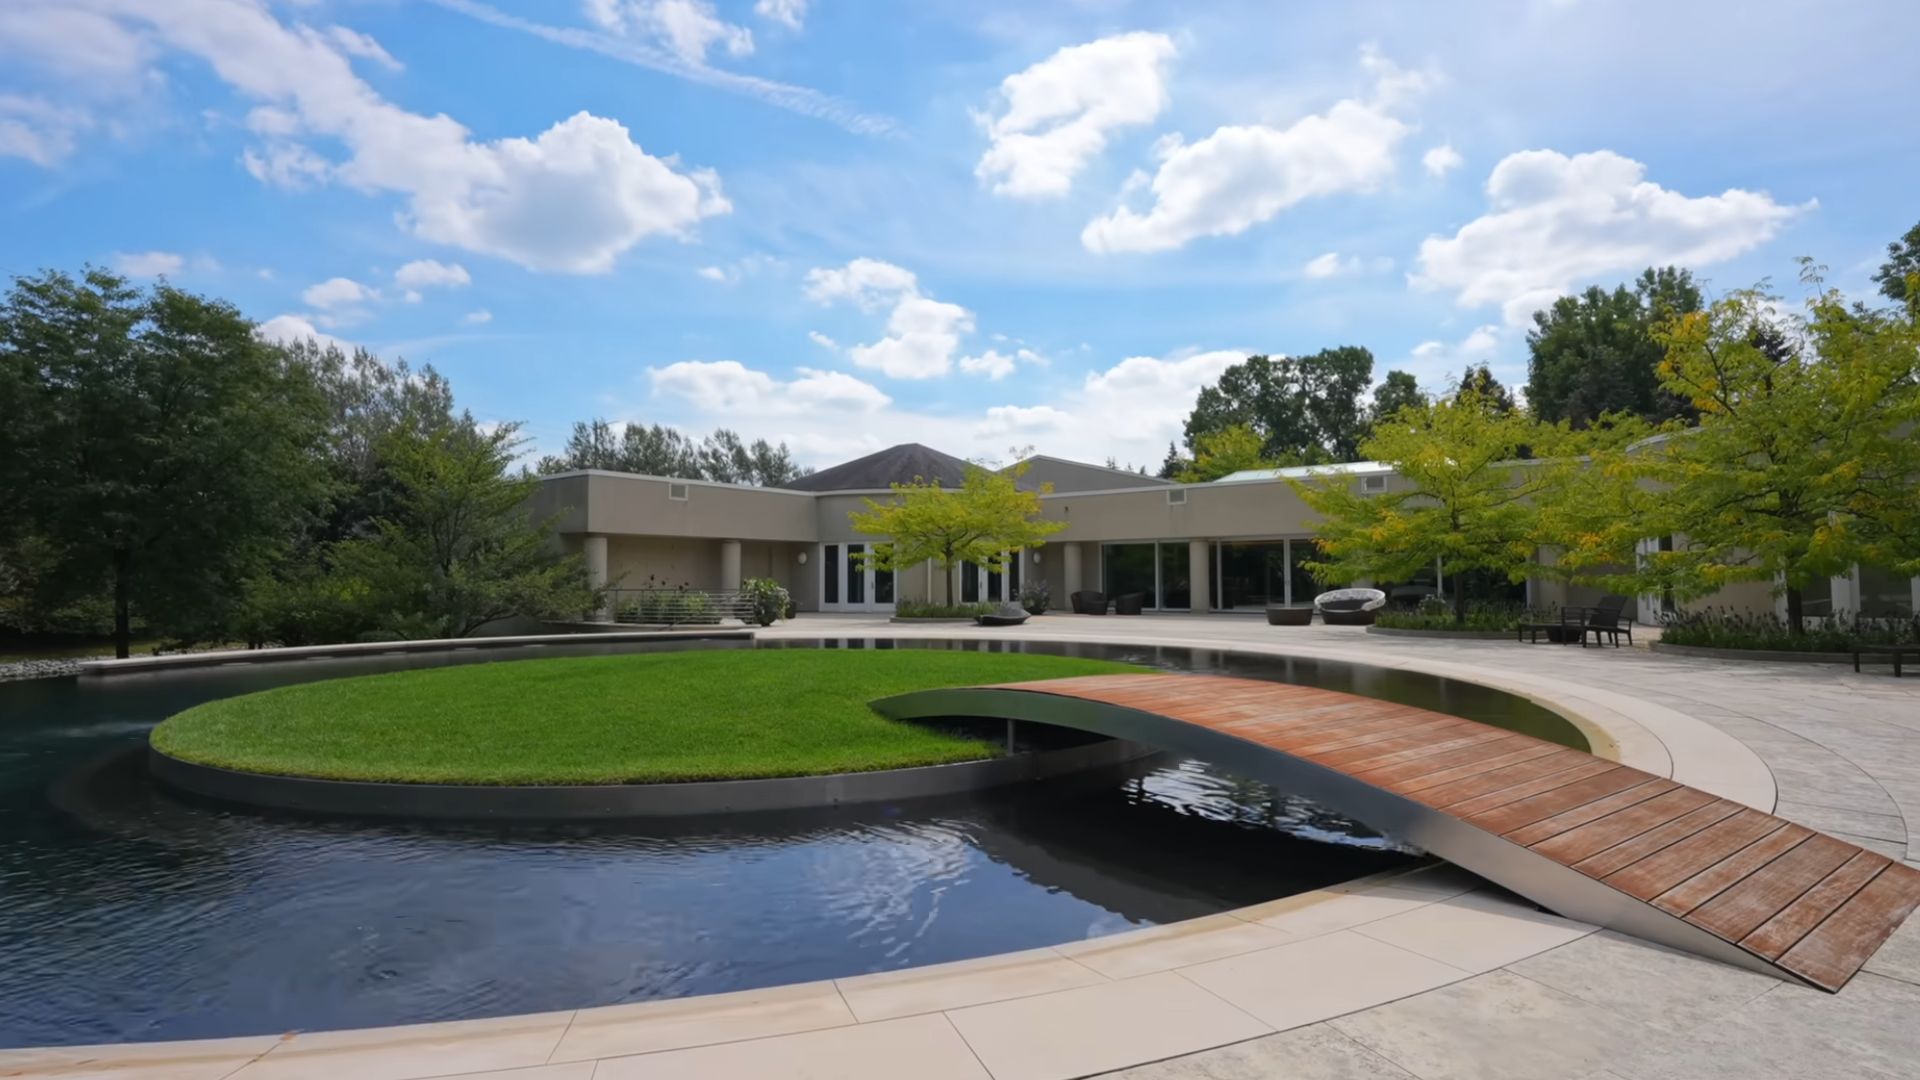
(803, 558)
(1036, 558)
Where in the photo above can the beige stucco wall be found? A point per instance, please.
(618, 504)
(1073, 476)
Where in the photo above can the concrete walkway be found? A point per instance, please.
(1429, 977)
(1844, 751)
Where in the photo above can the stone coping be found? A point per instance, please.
(1780, 656)
(1071, 1010)
(585, 802)
(222, 657)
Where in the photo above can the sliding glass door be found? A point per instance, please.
(848, 585)
(1160, 572)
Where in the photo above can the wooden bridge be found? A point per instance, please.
(1582, 836)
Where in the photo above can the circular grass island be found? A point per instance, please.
(668, 722)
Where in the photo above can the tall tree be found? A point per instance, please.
(158, 446)
(1305, 408)
(661, 451)
(460, 548)
(1800, 466)
(1398, 391)
(1173, 464)
(1466, 503)
(1895, 276)
(1479, 382)
(980, 522)
(1222, 453)
(1597, 353)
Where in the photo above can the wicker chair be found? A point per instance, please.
(1132, 603)
(1088, 603)
(1349, 607)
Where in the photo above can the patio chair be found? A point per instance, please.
(1570, 627)
(1279, 615)
(1349, 607)
(1130, 603)
(1088, 603)
(1604, 618)
(1006, 615)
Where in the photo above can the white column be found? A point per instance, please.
(729, 564)
(1199, 574)
(593, 551)
(1070, 569)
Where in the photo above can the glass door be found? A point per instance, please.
(847, 585)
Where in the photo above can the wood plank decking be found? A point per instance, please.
(1814, 906)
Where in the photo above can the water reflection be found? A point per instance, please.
(129, 913)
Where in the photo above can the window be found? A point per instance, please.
(830, 574)
(1373, 485)
(856, 579)
(1176, 584)
(677, 492)
(1177, 497)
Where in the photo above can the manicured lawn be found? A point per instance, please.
(723, 715)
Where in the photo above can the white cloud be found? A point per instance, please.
(712, 273)
(146, 264)
(1004, 420)
(1057, 114)
(1147, 399)
(788, 13)
(869, 283)
(73, 43)
(730, 387)
(997, 365)
(1436, 363)
(338, 292)
(571, 199)
(354, 43)
(822, 340)
(922, 333)
(1555, 222)
(1241, 176)
(688, 28)
(479, 317)
(287, 329)
(429, 274)
(1441, 160)
(1333, 264)
(38, 130)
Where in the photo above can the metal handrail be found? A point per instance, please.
(678, 607)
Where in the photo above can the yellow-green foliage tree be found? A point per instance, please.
(989, 515)
(1802, 463)
(1464, 499)
(1224, 452)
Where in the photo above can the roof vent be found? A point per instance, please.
(677, 492)
(1177, 497)
(1373, 485)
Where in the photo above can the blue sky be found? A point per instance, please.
(846, 223)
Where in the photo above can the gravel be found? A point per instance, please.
(38, 669)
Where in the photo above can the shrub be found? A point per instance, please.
(920, 609)
(1433, 614)
(1035, 597)
(1719, 629)
(769, 598)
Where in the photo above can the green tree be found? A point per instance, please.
(661, 451)
(157, 447)
(1399, 390)
(1597, 353)
(1896, 276)
(1173, 464)
(980, 522)
(1800, 467)
(1306, 408)
(1464, 501)
(1479, 382)
(1221, 453)
(460, 548)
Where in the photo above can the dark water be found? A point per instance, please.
(129, 914)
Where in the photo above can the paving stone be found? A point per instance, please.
(1310, 1053)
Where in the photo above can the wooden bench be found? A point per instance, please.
(1894, 651)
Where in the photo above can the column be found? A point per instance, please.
(1070, 570)
(729, 565)
(593, 551)
(1200, 574)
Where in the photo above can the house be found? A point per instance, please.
(1235, 544)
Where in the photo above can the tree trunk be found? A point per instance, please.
(1796, 624)
(122, 627)
(1459, 602)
